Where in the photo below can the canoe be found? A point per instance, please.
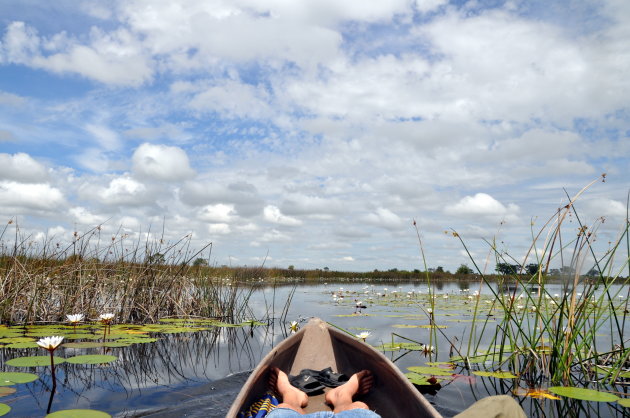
(317, 346)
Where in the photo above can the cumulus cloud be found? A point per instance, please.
(84, 216)
(113, 58)
(161, 162)
(29, 198)
(384, 218)
(272, 214)
(22, 168)
(481, 204)
(219, 229)
(243, 195)
(219, 213)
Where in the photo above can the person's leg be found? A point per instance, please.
(292, 397)
(341, 397)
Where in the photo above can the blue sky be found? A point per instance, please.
(313, 132)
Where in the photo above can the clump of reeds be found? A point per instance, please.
(555, 338)
(138, 280)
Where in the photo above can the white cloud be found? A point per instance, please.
(83, 216)
(481, 204)
(272, 214)
(220, 213)
(124, 191)
(219, 229)
(112, 58)
(161, 162)
(106, 138)
(29, 198)
(22, 168)
(384, 218)
(11, 100)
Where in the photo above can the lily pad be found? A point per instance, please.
(83, 344)
(4, 409)
(10, 340)
(92, 359)
(584, 394)
(624, 402)
(437, 371)
(117, 344)
(400, 346)
(13, 378)
(79, 413)
(137, 340)
(422, 380)
(22, 345)
(500, 374)
(34, 361)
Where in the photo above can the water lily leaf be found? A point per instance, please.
(33, 361)
(432, 326)
(583, 394)
(400, 346)
(445, 364)
(535, 393)
(4, 409)
(10, 340)
(79, 413)
(5, 391)
(116, 344)
(13, 378)
(92, 359)
(22, 345)
(46, 332)
(83, 344)
(389, 347)
(83, 336)
(137, 340)
(437, 371)
(624, 402)
(500, 374)
(405, 326)
(422, 380)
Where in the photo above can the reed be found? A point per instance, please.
(547, 338)
(137, 280)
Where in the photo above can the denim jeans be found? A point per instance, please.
(350, 413)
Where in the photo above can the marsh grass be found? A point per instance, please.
(137, 280)
(549, 339)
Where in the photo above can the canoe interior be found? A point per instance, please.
(317, 346)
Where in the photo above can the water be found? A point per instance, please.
(203, 371)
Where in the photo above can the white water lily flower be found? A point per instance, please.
(73, 319)
(106, 317)
(50, 343)
(364, 335)
(429, 310)
(428, 349)
(294, 326)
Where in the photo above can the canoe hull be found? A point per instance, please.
(317, 346)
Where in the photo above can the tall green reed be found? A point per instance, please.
(549, 338)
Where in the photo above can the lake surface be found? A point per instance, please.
(209, 366)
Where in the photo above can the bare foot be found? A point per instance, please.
(291, 396)
(341, 397)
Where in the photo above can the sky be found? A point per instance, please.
(313, 133)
